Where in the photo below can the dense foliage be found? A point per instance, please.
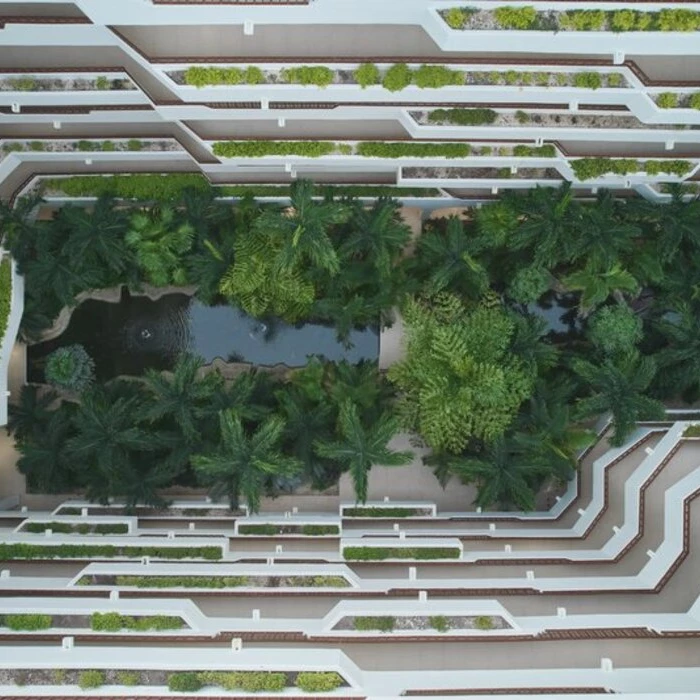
(70, 368)
(527, 320)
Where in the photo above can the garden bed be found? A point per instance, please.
(215, 582)
(142, 511)
(30, 83)
(76, 528)
(21, 550)
(462, 117)
(527, 18)
(394, 78)
(418, 553)
(273, 530)
(85, 146)
(97, 622)
(388, 512)
(481, 173)
(421, 623)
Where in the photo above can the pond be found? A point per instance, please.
(560, 313)
(137, 334)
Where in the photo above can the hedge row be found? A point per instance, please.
(463, 117)
(380, 553)
(200, 76)
(257, 149)
(82, 145)
(78, 528)
(376, 512)
(528, 18)
(588, 168)
(271, 530)
(20, 550)
(374, 149)
(5, 294)
(27, 623)
(370, 623)
(316, 149)
(171, 186)
(253, 681)
(114, 622)
(547, 151)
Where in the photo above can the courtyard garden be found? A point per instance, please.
(526, 320)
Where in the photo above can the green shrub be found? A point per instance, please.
(669, 167)
(678, 20)
(134, 145)
(36, 146)
(368, 623)
(253, 75)
(694, 101)
(12, 147)
(528, 284)
(515, 17)
(268, 530)
(380, 553)
(455, 17)
(367, 74)
(692, 431)
(588, 168)
(622, 20)
(614, 80)
(308, 75)
(129, 678)
(484, 622)
(583, 20)
(439, 623)
(433, 76)
(590, 80)
(58, 676)
(185, 682)
(84, 145)
(614, 329)
(249, 681)
(522, 117)
(102, 83)
(108, 146)
(106, 622)
(5, 294)
(542, 79)
(90, 679)
(397, 78)
(372, 512)
(375, 149)
(318, 682)
(257, 149)
(28, 622)
(23, 84)
(318, 530)
(562, 79)
(70, 368)
(511, 77)
(667, 100)
(463, 117)
(272, 530)
(546, 151)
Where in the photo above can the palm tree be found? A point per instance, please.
(18, 232)
(303, 228)
(595, 287)
(44, 459)
(618, 387)
(160, 243)
(674, 224)
(679, 361)
(498, 222)
(183, 396)
(29, 416)
(305, 423)
(377, 234)
(548, 433)
(242, 463)
(361, 447)
(530, 345)
(545, 230)
(449, 262)
(95, 238)
(107, 440)
(62, 277)
(504, 475)
(600, 235)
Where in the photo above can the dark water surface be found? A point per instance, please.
(137, 333)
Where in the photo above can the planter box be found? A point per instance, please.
(401, 549)
(389, 510)
(288, 527)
